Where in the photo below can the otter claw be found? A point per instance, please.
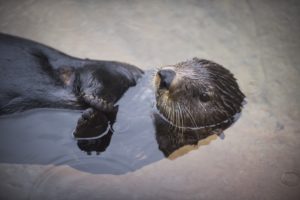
(87, 114)
(81, 121)
(98, 103)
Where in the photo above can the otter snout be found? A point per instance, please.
(166, 77)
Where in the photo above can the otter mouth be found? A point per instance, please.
(197, 94)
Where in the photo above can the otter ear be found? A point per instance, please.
(66, 75)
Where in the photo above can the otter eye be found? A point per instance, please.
(204, 97)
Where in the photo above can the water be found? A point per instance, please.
(256, 40)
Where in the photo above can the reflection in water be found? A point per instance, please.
(170, 138)
(98, 145)
(137, 136)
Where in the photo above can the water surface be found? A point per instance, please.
(256, 40)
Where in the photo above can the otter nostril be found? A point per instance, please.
(166, 78)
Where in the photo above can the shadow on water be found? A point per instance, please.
(138, 137)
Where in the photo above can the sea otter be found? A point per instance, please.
(189, 101)
(36, 76)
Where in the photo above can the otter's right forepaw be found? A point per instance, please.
(92, 123)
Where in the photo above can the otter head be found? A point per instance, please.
(197, 93)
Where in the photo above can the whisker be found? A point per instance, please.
(190, 116)
(182, 119)
(204, 118)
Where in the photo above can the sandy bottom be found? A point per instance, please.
(257, 40)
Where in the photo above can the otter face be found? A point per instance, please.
(197, 93)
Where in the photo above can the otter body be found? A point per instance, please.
(35, 76)
(189, 101)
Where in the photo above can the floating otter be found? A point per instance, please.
(191, 100)
(36, 76)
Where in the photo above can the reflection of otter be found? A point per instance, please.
(168, 137)
(171, 138)
(34, 76)
(98, 145)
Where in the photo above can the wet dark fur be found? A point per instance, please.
(203, 93)
(34, 76)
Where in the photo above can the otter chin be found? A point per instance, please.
(197, 93)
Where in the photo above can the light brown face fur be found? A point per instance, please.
(202, 93)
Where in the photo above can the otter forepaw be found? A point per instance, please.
(92, 123)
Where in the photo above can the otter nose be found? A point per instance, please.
(166, 78)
